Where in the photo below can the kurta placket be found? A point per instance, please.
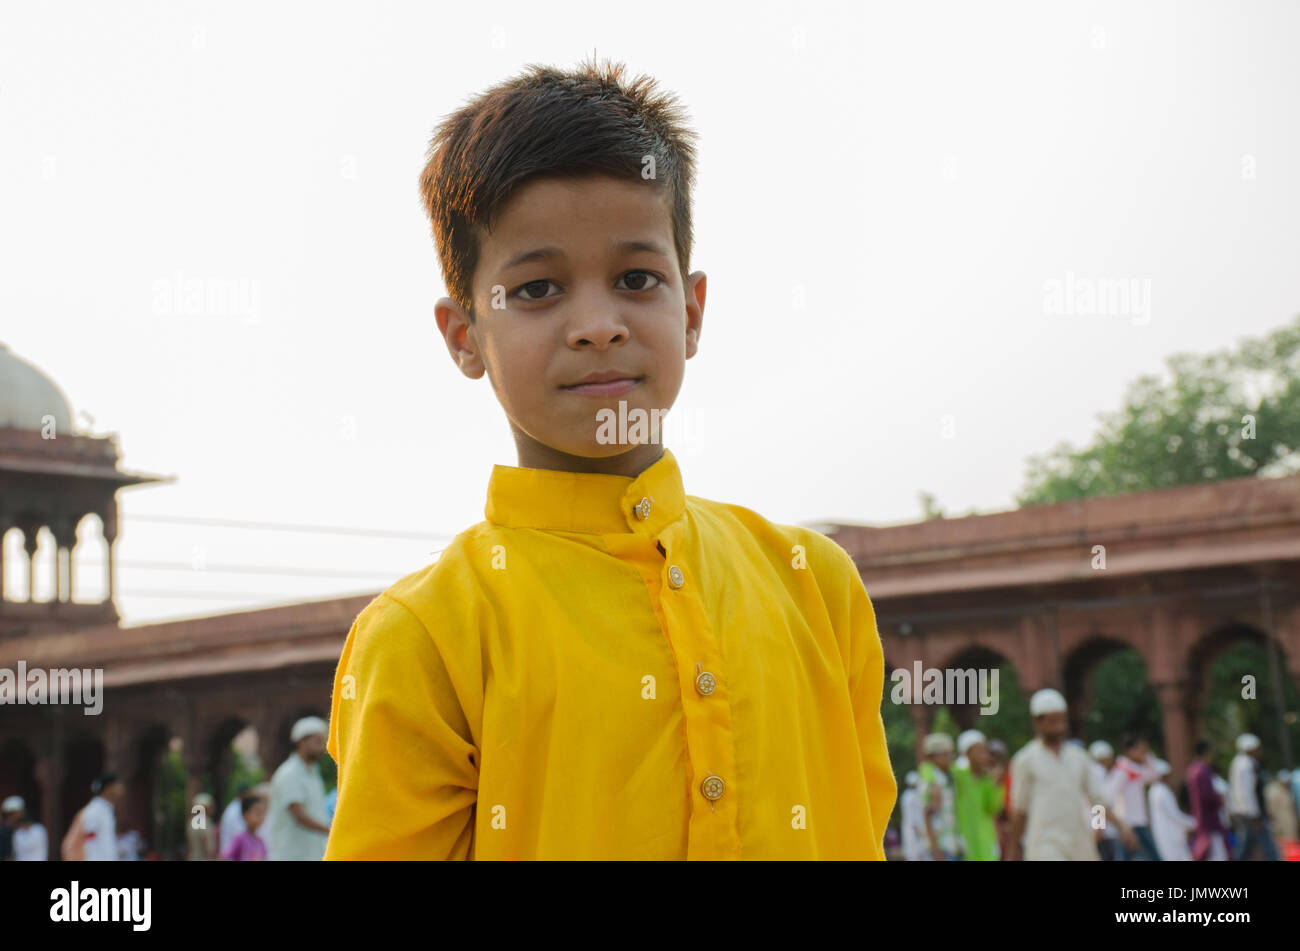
(701, 676)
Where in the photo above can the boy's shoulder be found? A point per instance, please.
(448, 582)
(793, 544)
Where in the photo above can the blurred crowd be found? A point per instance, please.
(970, 800)
(285, 819)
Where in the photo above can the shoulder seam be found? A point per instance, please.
(452, 674)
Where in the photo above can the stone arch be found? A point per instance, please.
(143, 810)
(1202, 658)
(14, 558)
(1214, 642)
(1078, 670)
(91, 585)
(18, 775)
(1079, 664)
(975, 658)
(43, 566)
(84, 759)
(219, 758)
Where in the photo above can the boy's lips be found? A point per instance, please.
(612, 387)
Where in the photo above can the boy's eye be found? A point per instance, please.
(526, 290)
(640, 276)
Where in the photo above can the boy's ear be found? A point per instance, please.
(458, 333)
(696, 288)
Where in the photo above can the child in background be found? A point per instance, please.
(247, 846)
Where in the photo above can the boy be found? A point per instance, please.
(605, 668)
(977, 786)
(247, 845)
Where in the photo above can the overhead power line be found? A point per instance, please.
(284, 527)
(235, 595)
(246, 569)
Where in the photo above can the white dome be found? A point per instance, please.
(27, 396)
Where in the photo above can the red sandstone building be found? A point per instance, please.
(1188, 571)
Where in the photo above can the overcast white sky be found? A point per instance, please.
(915, 175)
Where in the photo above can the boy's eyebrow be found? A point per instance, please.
(549, 253)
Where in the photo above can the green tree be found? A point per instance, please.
(900, 737)
(930, 507)
(329, 772)
(171, 812)
(1225, 414)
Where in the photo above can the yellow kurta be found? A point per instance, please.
(537, 693)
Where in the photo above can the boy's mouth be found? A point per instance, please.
(611, 383)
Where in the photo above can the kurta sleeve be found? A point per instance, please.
(866, 687)
(1022, 784)
(1108, 794)
(993, 798)
(408, 767)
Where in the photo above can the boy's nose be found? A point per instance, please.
(597, 333)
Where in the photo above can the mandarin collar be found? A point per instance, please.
(594, 503)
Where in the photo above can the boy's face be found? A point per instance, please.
(586, 302)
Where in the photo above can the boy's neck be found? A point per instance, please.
(534, 455)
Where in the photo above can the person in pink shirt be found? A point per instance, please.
(248, 845)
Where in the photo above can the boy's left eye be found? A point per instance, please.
(641, 275)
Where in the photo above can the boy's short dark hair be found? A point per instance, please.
(548, 122)
(1202, 747)
(246, 803)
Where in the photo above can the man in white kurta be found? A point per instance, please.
(1047, 778)
(296, 813)
(1170, 826)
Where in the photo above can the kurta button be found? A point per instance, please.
(642, 509)
(675, 577)
(705, 682)
(713, 787)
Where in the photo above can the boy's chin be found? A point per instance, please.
(592, 448)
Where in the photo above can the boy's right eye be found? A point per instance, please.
(526, 290)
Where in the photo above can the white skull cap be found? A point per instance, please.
(1046, 701)
(307, 726)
